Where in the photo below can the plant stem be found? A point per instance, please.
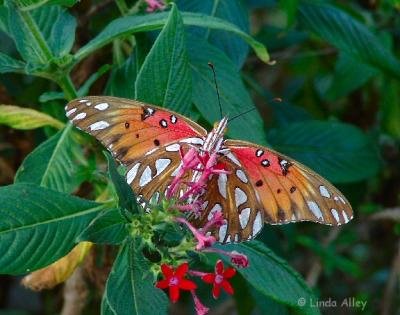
(122, 6)
(68, 87)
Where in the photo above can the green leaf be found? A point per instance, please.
(106, 228)
(122, 79)
(126, 197)
(26, 118)
(350, 36)
(33, 4)
(337, 151)
(164, 78)
(272, 277)
(234, 97)
(51, 96)
(8, 64)
(62, 36)
(267, 305)
(84, 89)
(283, 112)
(38, 226)
(136, 23)
(54, 163)
(349, 76)
(41, 34)
(232, 11)
(331, 260)
(131, 275)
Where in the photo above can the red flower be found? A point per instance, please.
(219, 279)
(175, 280)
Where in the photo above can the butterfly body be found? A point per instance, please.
(258, 184)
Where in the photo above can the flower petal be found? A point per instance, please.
(167, 271)
(174, 293)
(181, 270)
(227, 287)
(162, 284)
(219, 267)
(188, 285)
(208, 278)
(229, 273)
(216, 291)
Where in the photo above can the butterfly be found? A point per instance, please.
(260, 185)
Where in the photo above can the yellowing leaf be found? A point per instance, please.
(26, 118)
(59, 271)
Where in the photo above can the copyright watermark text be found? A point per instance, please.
(348, 302)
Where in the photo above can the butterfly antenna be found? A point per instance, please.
(241, 114)
(216, 87)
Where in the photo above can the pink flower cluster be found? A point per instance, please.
(204, 165)
(153, 5)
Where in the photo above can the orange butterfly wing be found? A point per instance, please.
(288, 190)
(143, 137)
(128, 128)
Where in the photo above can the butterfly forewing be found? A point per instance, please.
(289, 191)
(128, 128)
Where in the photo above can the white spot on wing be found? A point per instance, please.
(99, 125)
(346, 218)
(177, 169)
(342, 200)
(257, 225)
(146, 177)
(173, 147)
(70, 112)
(222, 178)
(130, 176)
(151, 151)
(102, 106)
(222, 232)
(335, 215)
(324, 192)
(192, 141)
(242, 176)
(83, 101)
(240, 196)
(155, 197)
(161, 165)
(313, 206)
(244, 217)
(233, 158)
(79, 116)
(216, 208)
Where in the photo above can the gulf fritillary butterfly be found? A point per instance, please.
(262, 185)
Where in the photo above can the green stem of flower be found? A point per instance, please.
(68, 87)
(122, 6)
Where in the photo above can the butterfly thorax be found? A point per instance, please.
(215, 137)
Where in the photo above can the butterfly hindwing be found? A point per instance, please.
(288, 190)
(151, 175)
(233, 195)
(128, 128)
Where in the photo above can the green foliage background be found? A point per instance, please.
(329, 99)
